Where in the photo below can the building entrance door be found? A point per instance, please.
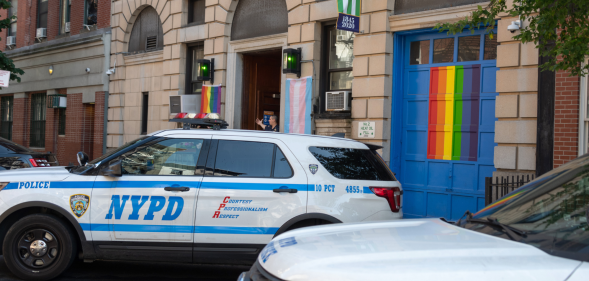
(261, 87)
(448, 122)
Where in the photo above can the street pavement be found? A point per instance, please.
(116, 270)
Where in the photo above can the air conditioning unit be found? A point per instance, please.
(184, 103)
(41, 32)
(67, 27)
(338, 100)
(10, 40)
(341, 37)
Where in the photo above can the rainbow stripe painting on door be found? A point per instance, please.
(453, 119)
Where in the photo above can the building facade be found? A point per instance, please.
(449, 110)
(63, 46)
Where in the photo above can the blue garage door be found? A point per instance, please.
(448, 122)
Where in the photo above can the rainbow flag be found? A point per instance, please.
(453, 121)
(210, 99)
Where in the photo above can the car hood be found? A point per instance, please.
(57, 173)
(417, 249)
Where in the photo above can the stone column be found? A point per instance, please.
(516, 105)
(373, 67)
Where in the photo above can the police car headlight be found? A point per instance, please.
(3, 185)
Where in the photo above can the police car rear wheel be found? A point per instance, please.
(39, 247)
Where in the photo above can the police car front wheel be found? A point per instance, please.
(39, 247)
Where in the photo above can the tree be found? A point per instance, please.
(6, 63)
(559, 28)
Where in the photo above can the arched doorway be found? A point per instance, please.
(261, 73)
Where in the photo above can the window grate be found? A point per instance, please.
(38, 106)
(6, 105)
(151, 43)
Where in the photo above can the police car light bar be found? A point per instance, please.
(210, 120)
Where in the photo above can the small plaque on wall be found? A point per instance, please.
(366, 130)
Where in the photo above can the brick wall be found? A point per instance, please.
(3, 15)
(98, 124)
(566, 118)
(27, 20)
(19, 120)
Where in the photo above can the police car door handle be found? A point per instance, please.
(289, 190)
(181, 189)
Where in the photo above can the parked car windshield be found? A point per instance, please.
(553, 210)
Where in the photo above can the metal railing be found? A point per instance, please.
(497, 187)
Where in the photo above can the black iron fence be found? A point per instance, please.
(497, 187)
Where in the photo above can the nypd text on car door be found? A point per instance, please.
(155, 198)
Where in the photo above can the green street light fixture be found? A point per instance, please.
(206, 70)
(291, 61)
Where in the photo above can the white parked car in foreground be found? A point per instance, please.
(537, 232)
(189, 196)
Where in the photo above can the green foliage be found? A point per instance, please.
(542, 19)
(6, 63)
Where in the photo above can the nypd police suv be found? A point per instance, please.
(201, 196)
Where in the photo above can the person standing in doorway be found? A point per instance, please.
(273, 124)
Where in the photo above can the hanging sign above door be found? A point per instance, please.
(349, 15)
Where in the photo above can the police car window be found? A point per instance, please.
(171, 157)
(352, 164)
(281, 167)
(244, 159)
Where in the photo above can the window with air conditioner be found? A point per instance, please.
(64, 21)
(90, 12)
(147, 32)
(42, 10)
(336, 68)
(12, 13)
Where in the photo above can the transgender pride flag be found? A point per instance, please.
(297, 115)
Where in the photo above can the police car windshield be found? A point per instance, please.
(90, 165)
(121, 148)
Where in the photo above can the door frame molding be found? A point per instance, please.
(234, 88)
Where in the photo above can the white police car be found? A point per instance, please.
(202, 196)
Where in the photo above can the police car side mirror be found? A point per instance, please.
(82, 158)
(113, 170)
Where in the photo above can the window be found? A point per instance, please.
(419, 52)
(6, 104)
(38, 105)
(195, 53)
(249, 159)
(147, 32)
(144, 112)
(42, 9)
(352, 164)
(444, 50)
(281, 167)
(469, 48)
(341, 58)
(61, 126)
(196, 11)
(90, 12)
(171, 157)
(490, 47)
(12, 12)
(65, 7)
